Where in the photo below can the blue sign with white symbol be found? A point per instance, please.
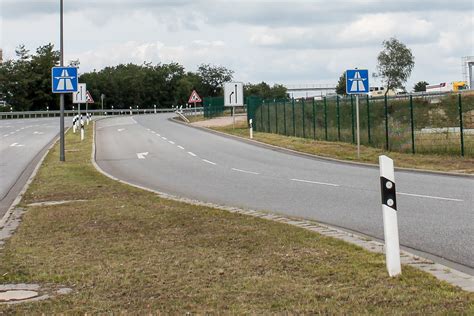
(357, 81)
(64, 79)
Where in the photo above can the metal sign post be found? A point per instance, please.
(357, 82)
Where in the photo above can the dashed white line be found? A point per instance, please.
(316, 182)
(192, 154)
(181, 147)
(430, 197)
(245, 171)
(209, 162)
(164, 138)
(171, 142)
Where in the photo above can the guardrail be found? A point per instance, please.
(105, 112)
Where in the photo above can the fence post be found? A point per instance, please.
(352, 119)
(314, 119)
(302, 104)
(284, 115)
(326, 118)
(461, 127)
(386, 122)
(276, 114)
(269, 121)
(293, 111)
(261, 115)
(338, 119)
(412, 121)
(368, 119)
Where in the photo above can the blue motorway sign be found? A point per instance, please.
(357, 81)
(64, 79)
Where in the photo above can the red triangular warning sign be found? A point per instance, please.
(89, 98)
(194, 98)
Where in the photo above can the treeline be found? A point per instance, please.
(25, 83)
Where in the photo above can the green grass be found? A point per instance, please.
(346, 151)
(128, 251)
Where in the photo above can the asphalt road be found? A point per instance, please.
(22, 143)
(436, 213)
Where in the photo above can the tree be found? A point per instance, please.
(395, 63)
(341, 85)
(420, 86)
(264, 91)
(213, 78)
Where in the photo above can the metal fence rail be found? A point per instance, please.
(413, 124)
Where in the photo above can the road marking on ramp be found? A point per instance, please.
(142, 155)
(209, 162)
(316, 182)
(171, 142)
(430, 197)
(16, 145)
(164, 138)
(245, 171)
(181, 147)
(192, 154)
(120, 130)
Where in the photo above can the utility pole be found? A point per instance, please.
(62, 156)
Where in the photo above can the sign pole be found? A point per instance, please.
(358, 126)
(390, 221)
(62, 156)
(233, 117)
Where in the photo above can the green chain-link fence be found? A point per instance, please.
(213, 106)
(403, 124)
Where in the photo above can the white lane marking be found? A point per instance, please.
(16, 145)
(134, 120)
(430, 197)
(209, 162)
(142, 155)
(148, 129)
(245, 171)
(153, 132)
(158, 135)
(17, 130)
(120, 130)
(164, 138)
(6, 135)
(38, 133)
(316, 182)
(192, 154)
(181, 147)
(171, 142)
(12, 133)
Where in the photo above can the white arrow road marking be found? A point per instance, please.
(209, 162)
(142, 155)
(192, 154)
(120, 130)
(315, 182)
(430, 197)
(181, 147)
(245, 171)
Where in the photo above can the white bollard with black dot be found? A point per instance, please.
(390, 221)
(82, 129)
(251, 128)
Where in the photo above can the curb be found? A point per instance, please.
(316, 157)
(441, 272)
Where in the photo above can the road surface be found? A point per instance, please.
(436, 214)
(22, 143)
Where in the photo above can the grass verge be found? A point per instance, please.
(127, 250)
(346, 151)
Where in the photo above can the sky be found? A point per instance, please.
(285, 42)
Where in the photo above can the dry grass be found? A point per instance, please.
(345, 151)
(129, 251)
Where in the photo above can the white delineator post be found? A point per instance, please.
(74, 125)
(82, 129)
(390, 221)
(251, 128)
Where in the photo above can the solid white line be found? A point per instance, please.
(245, 171)
(192, 154)
(209, 162)
(171, 142)
(181, 147)
(315, 182)
(430, 197)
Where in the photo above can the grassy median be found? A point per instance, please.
(127, 250)
(346, 151)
